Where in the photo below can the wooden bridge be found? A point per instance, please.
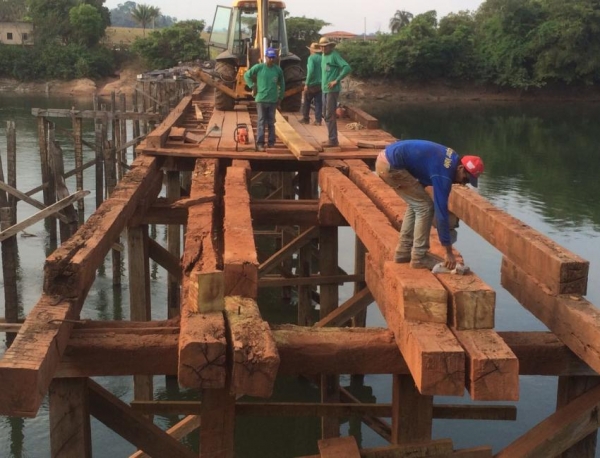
(440, 338)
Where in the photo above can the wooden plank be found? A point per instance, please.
(345, 312)
(133, 427)
(48, 211)
(277, 281)
(164, 259)
(255, 356)
(492, 367)
(158, 136)
(71, 269)
(560, 270)
(202, 340)
(227, 138)
(339, 447)
(292, 140)
(176, 133)
(436, 448)
(358, 115)
(93, 114)
(239, 256)
(214, 132)
(180, 430)
(243, 117)
(31, 201)
(433, 355)
(573, 319)
(561, 430)
(69, 416)
(198, 112)
(298, 242)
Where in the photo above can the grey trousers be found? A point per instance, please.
(330, 101)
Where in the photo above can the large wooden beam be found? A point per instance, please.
(158, 137)
(560, 270)
(202, 340)
(432, 353)
(239, 256)
(71, 269)
(293, 140)
(561, 430)
(339, 447)
(492, 367)
(186, 426)
(573, 319)
(255, 356)
(136, 429)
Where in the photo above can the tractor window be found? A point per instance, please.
(220, 29)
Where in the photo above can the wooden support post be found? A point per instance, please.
(218, 423)
(10, 264)
(570, 388)
(288, 193)
(99, 155)
(328, 265)
(136, 122)
(123, 133)
(11, 166)
(139, 295)
(173, 246)
(46, 176)
(58, 171)
(360, 319)
(50, 131)
(412, 412)
(305, 303)
(70, 433)
(77, 134)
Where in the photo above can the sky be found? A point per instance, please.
(344, 15)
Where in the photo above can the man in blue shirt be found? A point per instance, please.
(410, 165)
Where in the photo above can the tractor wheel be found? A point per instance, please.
(294, 77)
(228, 75)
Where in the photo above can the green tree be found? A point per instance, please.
(13, 10)
(167, 47)
(399, 20)
(303, 31)
(144, 14)
(88, 26)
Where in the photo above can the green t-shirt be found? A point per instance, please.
(334, 68)
(270, 84)
(313, 70)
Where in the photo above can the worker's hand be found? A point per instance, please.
(306, 89)
(450, 261)
(279, 105)
(332, 84)
(253, 91)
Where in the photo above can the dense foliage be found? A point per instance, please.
(514, 43)
(165, 48)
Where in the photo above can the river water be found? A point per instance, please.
(542, 166)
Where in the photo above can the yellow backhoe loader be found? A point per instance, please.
(238, 40)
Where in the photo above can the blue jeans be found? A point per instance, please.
(416, 225)
(266, 115)
(308, 98)
(330, 100)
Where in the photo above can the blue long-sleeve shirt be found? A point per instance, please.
(433, 165)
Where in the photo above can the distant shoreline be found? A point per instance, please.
(365, 91)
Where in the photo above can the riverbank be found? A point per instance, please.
(353, 89)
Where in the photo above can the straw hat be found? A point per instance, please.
(324, 41)
(314, 47)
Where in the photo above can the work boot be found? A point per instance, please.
(304, 121)
(260, 148)
(330, 144)
(317, 123)
(402, 258)
(425, 262)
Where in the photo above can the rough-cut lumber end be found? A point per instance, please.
(338, 447)
(202, 351)
(573, 319)
(328, 214)
(255, 355)
(435, 359)
(472, 302)
(492, 367)
(241, 279)
(206, 293)
(420, 297)
(367, 120)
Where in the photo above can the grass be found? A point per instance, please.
(124, 36)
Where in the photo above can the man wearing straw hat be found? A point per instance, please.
(312, 87)
(334, 68)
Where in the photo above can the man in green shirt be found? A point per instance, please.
(312, 87)
(334, 68)
(270, 87)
